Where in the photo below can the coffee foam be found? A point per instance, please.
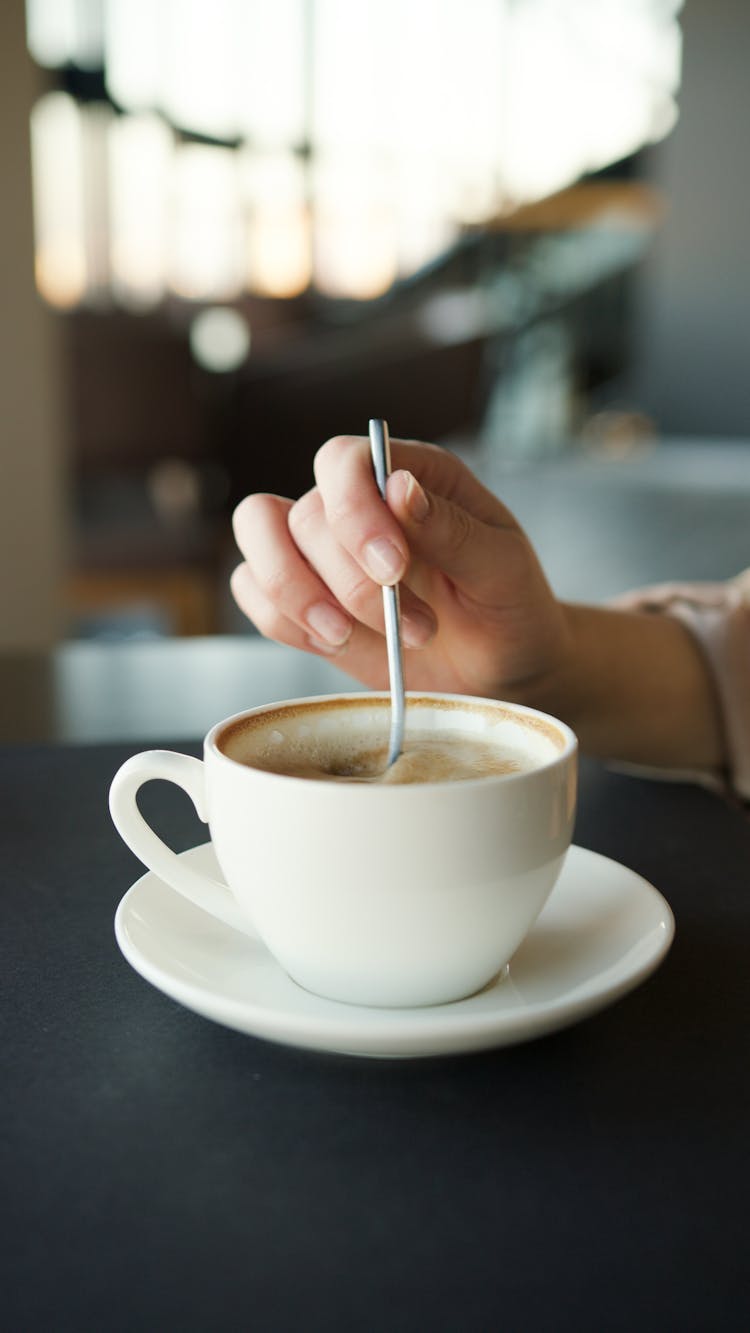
(429, 757)
(347, 739)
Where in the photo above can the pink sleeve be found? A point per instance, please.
(718, 614)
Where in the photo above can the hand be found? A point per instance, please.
(478, 616)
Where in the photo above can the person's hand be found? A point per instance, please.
(478, 616)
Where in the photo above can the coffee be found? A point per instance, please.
(427, 757)
(447, 740)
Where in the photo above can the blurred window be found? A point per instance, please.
(271, 145)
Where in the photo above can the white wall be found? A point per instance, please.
(31, 449)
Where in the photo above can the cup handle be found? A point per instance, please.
(201, 890)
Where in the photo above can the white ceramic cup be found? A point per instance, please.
(368, 893)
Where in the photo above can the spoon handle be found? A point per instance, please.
(380, 448)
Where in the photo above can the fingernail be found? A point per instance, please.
(384, 561)
(416, 501)
(417, 628)
(329, 624)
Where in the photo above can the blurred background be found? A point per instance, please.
(233, 228)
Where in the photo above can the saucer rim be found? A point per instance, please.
(433, 1030)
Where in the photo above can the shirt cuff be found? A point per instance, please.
(718, 617)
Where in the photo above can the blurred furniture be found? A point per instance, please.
(176, 601)
(149, 523)
(644, 512)
(94, 691)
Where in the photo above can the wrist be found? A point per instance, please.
(549, 689)
(633, 686)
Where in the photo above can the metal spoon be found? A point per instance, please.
(380, 449)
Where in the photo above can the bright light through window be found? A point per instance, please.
(206, 257)
(59, 193)
(140, 161)
(279, 248)
(65, 31)
(420, 116)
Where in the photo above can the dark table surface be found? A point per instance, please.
(162, 1172)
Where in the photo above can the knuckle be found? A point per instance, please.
(515, 552)
(462, 529)
(357, 596)
(247, 512)
(241, 516)
(342, 512)
(237, 580)
(329, 454)
(276, 584)
(268, 619)
(304, 512)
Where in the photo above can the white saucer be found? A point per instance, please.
(602, 932)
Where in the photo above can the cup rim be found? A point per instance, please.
(547, 721)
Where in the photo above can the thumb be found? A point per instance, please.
(483, 559)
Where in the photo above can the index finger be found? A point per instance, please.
(359, 519)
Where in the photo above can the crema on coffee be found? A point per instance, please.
(431, 757)
(345, 740)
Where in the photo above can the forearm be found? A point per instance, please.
(635, 687)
